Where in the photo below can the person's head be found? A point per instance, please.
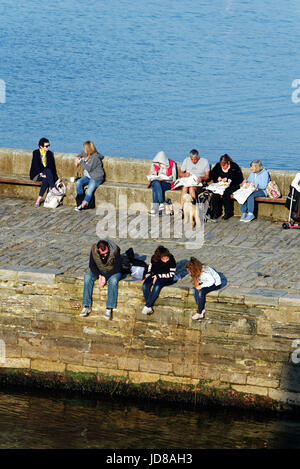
(161, 254)
(44, 144)
(89, 148)
(256, 166)
(103, 247)
(194, 268)
(194, 155)
(225, 162)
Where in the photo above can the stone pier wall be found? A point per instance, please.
(244, 353)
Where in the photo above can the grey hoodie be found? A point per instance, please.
(93, 165)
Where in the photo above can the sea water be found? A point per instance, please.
(44, 421)
(137, 77)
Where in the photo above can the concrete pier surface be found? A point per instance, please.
(256, 255)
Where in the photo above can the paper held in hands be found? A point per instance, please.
(242, 194)
(219, 187)
(186, 182)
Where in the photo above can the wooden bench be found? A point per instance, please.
(21, 181)
(268, 200)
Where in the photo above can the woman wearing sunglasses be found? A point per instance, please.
(43, 169)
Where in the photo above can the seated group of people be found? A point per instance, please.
(163, 173)
(105, 267)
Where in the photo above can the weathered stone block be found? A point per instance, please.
(233, 378)
(16, 363)
(138, 377)
(125, 363)
(44, 365)
(155, 366)
(264, 382)
(81, 369)
(260, 391)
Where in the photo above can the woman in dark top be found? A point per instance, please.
(161, 272)
(43, 169)
(223, 171)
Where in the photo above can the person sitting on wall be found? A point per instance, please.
(161, 272)
(162, 173)
(193, 165)
(93, 174)
(205, 279)
(260, 178)
(43, 169)
(224, 170)
(104, 266)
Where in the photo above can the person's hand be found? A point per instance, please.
(42, 175)
(220, 179)
(199, 179)
(77, 161)
(102, 281)
(147, 275)
(198, 287)
(154, 279)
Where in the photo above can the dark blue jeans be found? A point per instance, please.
(200, 295)
(151, 295)
(48, 181)
(158, 190)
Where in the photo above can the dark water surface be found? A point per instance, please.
(31, 420)
(143, 76)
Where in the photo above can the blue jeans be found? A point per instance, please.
(48, 181)
(248, 206)
(112, 289)
(200, 295)
(151, 296)
(158, 190)
(92, 186)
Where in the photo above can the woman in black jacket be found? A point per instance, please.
(223, 171)
(43, 169)
(161, 272)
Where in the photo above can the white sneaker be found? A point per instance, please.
(199, 316)
(108, 313)
(86, 310)
(153, 212)
(147, 310)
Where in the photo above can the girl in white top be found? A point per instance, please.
(204, 279)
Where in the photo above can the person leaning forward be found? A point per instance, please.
(104, 266)
(193, 165)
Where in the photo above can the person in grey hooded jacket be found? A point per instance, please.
(162, 173)
(93, 173)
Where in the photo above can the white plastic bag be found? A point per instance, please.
(52, 200)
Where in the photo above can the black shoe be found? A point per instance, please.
(226, 217)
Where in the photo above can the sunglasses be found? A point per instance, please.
(46, 146)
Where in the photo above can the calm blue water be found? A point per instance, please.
(138, 77)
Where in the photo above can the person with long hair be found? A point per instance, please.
(93, 174)
(205, 279)
(43, 169)
(161, 272)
